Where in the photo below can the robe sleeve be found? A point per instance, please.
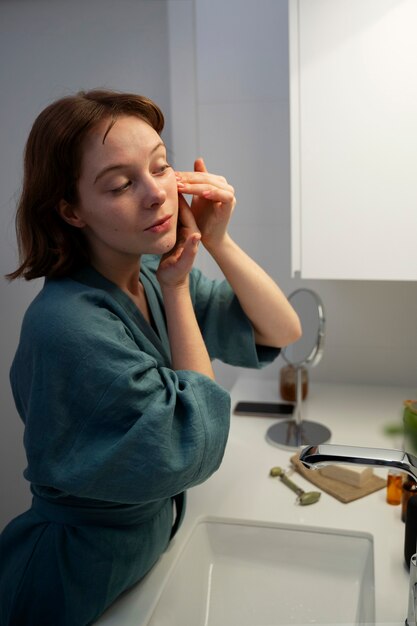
(104, 419)
(227, 331)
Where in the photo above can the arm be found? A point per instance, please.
(130, 429)
(274, 321)
(188, 349)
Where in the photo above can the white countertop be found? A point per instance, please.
(241, 488)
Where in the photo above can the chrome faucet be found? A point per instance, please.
(314, 457)
(326, 454)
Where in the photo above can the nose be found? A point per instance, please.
(154, 192)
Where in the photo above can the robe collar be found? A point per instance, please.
(159, 337)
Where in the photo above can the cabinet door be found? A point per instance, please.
(353, 110)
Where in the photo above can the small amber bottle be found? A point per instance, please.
(288, 383)
(394, 486)
(409, 489)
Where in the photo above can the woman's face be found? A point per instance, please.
(127, 192)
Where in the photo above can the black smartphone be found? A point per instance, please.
(264, 409)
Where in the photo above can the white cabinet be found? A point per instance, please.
(353, 111)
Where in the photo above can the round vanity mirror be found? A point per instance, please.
(307, 351)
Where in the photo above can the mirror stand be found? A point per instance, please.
(297, 432)
(308, 350)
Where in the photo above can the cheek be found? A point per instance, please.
(170, 243)
(172, 189)
(171, 238)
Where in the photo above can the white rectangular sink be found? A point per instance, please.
(232, 572)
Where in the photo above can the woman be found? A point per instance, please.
(112, 376)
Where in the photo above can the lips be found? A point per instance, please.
(160, 224)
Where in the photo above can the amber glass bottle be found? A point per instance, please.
(288, 383)
(394, 487)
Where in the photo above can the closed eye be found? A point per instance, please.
(122, 188)
(157, 172)
(162, 169)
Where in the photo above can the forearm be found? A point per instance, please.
(188, 350)
(274, 321)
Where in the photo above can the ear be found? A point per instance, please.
(69, 214)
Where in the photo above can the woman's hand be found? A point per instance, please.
(176, 265)
(274, 321)
(212, 204)
(188, 350)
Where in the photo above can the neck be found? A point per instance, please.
(124, 274)
(127, 279)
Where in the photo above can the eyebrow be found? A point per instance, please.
(119, 166)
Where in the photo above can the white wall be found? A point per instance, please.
(239, 82)
(50, 48)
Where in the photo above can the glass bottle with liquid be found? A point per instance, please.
(288, 383)
(394, 487)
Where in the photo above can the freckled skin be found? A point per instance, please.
(116, 209)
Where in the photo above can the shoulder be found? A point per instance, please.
(61, 297)
(66, 307)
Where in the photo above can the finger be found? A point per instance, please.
(190, 246)
(199, 165)
(186, 217)
(218, 195)
(222, 193)
(182, 202)
(200, 177)
(185, 250)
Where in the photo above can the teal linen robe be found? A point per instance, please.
(113, 435)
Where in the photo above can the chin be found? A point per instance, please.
(167, 244)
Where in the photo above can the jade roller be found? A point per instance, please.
(303, 497)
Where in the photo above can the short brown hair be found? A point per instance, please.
(47, 245)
